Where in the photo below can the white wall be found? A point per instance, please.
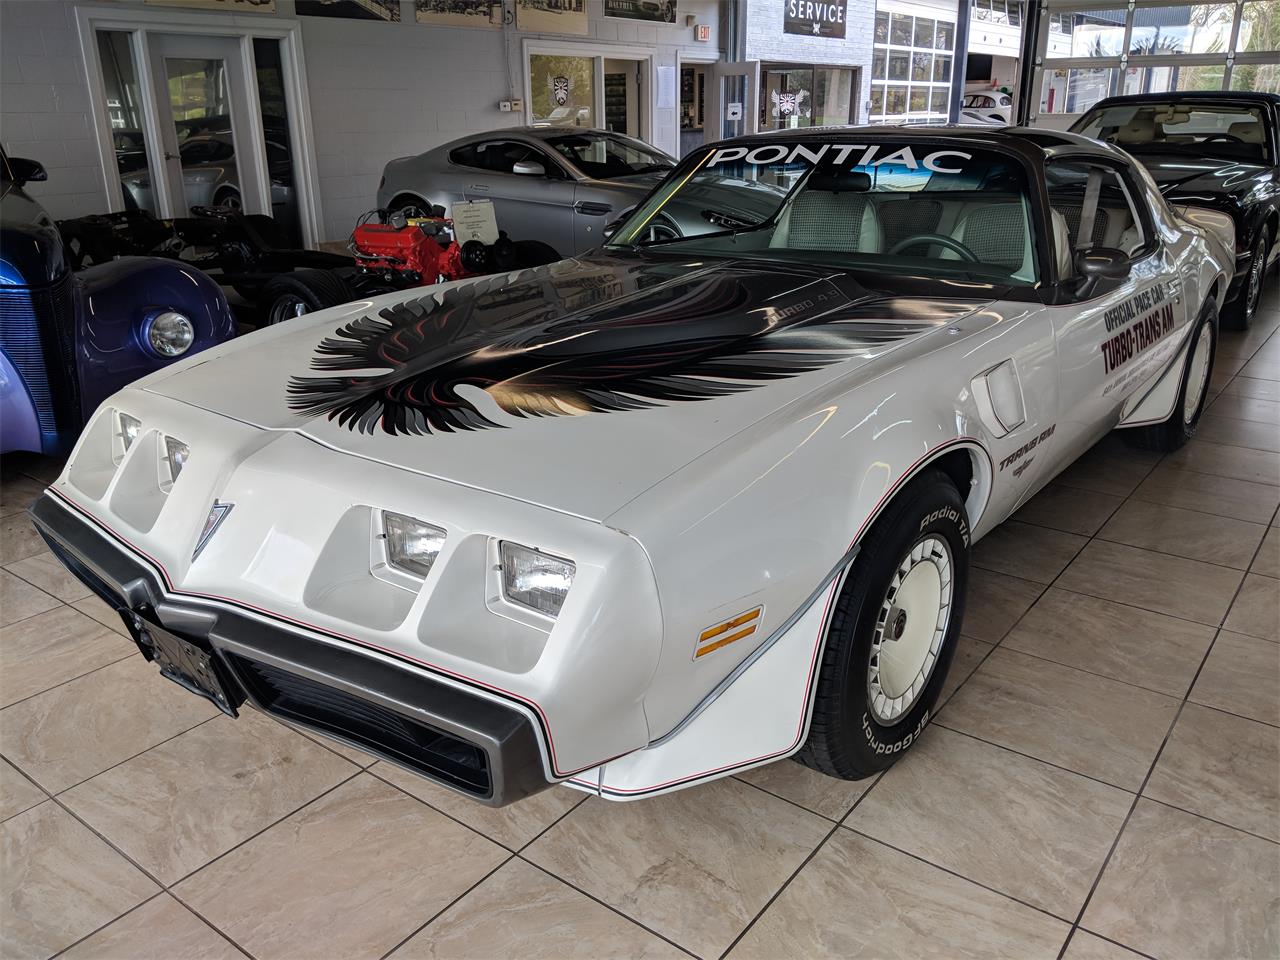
(378, 91)
(44, 104)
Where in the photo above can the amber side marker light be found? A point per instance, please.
(723, 634)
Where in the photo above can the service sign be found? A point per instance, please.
(815, 18)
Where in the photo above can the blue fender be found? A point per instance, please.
(116, 301)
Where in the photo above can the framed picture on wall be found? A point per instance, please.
(655, 11)
(459, 13)
(552, 16)
(388, 10)
(231, 6)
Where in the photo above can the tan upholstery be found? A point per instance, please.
(1141, 128)
(1061, 244)
(1250, 131)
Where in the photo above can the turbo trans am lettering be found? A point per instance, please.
(840, 154)
(1140, 335)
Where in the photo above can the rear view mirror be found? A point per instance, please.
(529, 168)
(27, 171)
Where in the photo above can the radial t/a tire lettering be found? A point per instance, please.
(892, 633)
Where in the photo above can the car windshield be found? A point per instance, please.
(918, 208)
(603, 157)
(1223, 130)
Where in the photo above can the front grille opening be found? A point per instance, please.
(431, 752)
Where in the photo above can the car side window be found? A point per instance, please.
(1092, 205)
(500, 156)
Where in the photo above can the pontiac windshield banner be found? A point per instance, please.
(815, 18)
(858, 155)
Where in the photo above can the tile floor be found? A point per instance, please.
(1102, 779)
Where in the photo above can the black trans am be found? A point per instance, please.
(1219, 150)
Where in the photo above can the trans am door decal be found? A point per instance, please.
(677, 336)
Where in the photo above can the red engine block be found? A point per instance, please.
(407, 250)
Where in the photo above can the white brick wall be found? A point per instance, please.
(44, 104)
(765, 40)
(378, 91)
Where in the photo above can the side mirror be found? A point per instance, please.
(1098, 264)
(529, 168)
(27, 171)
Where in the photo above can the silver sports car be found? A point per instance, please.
(554, 184)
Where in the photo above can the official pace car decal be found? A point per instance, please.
(674, 338)
(1154, 323)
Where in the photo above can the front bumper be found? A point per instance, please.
(468, 743)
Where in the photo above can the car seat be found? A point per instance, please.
(1141, 128)
(996, 233)
(1247, 131)
(832, 212)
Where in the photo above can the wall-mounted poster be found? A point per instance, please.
(815, 18)
(552, 16)
(657, 11)
(460, 13)
(350, 9)
(231, 6)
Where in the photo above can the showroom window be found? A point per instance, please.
(793, 95)
(911, 66)
(1096, 51)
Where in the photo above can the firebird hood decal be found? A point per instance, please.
(705, 334)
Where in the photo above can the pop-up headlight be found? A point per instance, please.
(412, 546)
(535, 580)
(130, 428)
(175, 454)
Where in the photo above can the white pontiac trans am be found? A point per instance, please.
(690, 503)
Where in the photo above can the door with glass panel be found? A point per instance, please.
(202, 110)
(732, 99)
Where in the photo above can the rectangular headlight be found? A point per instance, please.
(412, 546)
(175, 455)
(535, 580)
(130, 428)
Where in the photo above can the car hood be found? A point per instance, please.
(1185, 179)
(575, 386)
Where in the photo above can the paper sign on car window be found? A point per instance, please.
(475, 220)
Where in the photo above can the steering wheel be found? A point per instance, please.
(658, 229)
(941, 239)
(1222, 136)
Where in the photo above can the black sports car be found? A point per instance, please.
(1219, 150)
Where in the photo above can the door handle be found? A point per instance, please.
(170, 156)
(479, 187)
(593, 209)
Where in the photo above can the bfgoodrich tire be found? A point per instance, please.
(892, 633)
(1170, 434)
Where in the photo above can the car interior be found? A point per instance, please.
(1233, 132)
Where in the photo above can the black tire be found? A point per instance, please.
(228, 199)
(1170, 434)
(301, 292)
(413, 206)
(1239, 313)
(846, 737)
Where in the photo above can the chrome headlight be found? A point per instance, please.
(412, 546)
(128, 429)
(534, 579)
(170, 334)
(175, 454)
